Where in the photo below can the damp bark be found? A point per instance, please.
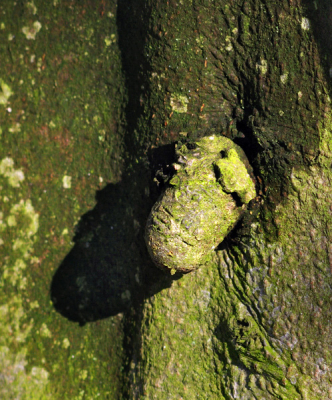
(255, 322)
(60, 111)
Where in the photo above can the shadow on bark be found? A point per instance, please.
(132, 22)
(320, 17)
(109, 270)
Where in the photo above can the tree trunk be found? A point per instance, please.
(255, 322)
(252, 323)
(61, 96)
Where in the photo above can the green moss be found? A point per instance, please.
(60, 104)
(250, 324)
(234, 176)
(197, 211)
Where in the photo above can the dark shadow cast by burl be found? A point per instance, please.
(109, 269)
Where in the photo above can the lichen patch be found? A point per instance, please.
(5, 93)
(31, 31)
(179, 103)
(284, 78)
(262, 67)
(305, 24)
(14, 176)
(66, 182)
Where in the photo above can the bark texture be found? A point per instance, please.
(256, 322)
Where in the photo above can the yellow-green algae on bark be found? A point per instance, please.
(198, 209)
(59, 99)
(255, 324)
(20, 222)
(262, 314)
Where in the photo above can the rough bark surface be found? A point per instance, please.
(255, 323)
(61, 97)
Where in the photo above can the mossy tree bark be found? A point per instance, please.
(256, 322)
